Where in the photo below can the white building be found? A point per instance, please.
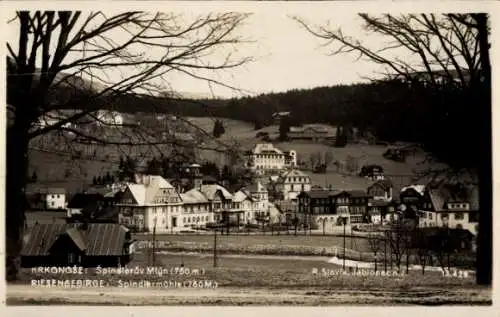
(244, 202)
(196, 209)
(266, 158)
(55, 198)
(292, 183)
(450, 208)
(151, 203)
(221, 200)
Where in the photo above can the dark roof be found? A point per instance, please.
(445, 194)
(45, 190)
(357, 193)
(380, 203)
(100, 239)
(317, 193)
(372, 167)
(81, 200)
(386, 184)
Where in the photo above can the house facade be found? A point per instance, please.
(196, 210)
(266, 158)
(413, 199)
(150, 204)
(291, 183)
(221, 201)
(55, 198)
(373, 172)
(331, 205)
(311, 133)
(381, 206)
(244, 203)
(451, 206)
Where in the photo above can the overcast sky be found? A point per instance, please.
(286, 56)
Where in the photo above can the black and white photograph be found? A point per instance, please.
(247, 154)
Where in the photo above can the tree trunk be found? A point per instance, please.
(17, 172)
(484, 260)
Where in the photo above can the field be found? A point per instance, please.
(316, 244)
(59, 170)
(252, 281)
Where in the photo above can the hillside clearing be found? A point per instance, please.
(74, 174)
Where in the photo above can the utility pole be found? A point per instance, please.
(154, 242)
(343, 257)
(215, 247)
(385, 254)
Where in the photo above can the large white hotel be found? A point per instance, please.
(266, 158)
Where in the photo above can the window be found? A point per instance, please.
(57, 196)
(444, 215)
(71, 258)
(52, 204)
(459, 216)
(430, 216)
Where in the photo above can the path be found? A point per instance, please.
(24, 294)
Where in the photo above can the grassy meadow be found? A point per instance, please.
(76, 172)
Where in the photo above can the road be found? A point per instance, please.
(24, 294)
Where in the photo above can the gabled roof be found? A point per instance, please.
(262, 148)
(209, 191)
(78, 238)
(357, 193)
(241, 196)
(80, 200)
(145, 193)
(418, 188)
(100, 239)
(444, 194)
(386, 184)
(160, 182)
(194, 196)
(138, 191)
(293, 173)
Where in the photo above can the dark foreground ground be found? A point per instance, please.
(25, 295)
(250, 280)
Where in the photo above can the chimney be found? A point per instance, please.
(138, 178)
(146, 180)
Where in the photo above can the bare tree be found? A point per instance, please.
(396, 238)
(448, 53)
(352, 164)
(87, 62)
(376, 244)
(422, 248)
(312, 161)
(328, 157)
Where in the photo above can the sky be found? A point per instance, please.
(285, 56)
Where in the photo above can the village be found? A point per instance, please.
(280, 197)
(284, 172)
